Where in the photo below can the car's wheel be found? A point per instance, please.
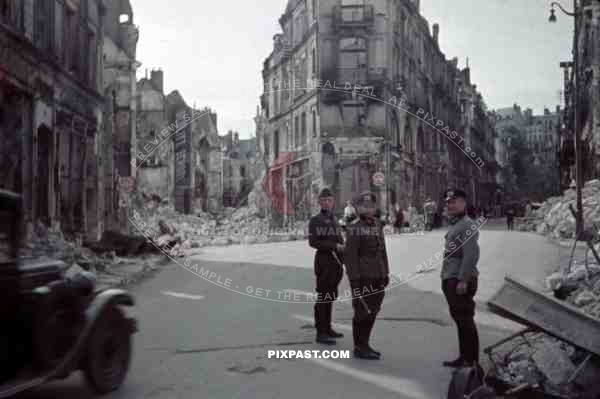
(109, 352)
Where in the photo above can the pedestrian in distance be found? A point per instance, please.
(460, 276)
(510, 218)
(325, 236)
(368, 271)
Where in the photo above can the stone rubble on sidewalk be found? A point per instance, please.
(109, 269)
(546, 361)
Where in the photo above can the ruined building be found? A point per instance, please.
(239, 175)
(118, 142)
(395, 119)
(178, 157)
(156, 166)
(198, 163)
(51, 103)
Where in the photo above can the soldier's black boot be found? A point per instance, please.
(365, 353)
(368, 328)
(334, 334)
(323, 338)
(459, 362)
(361, 342)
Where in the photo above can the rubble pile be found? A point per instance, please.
(109, 268)
(582, 286)
(539, 359)
(181, 232)
(554, 218)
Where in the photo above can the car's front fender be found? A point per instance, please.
(101, 302)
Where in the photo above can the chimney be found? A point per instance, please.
(213, 116)
(558, 109)
(546, 111)
(436, 33)
(157, 79)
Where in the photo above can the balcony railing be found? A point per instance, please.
(353, 16)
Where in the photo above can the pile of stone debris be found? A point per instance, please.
(579, 287)
(554, 218)
(181, 232)
(553, 366)
(110, 268)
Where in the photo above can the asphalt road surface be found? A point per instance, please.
(201, 339)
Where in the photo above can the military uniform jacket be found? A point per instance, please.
(366, 254)
(324, 236)
(461, 249)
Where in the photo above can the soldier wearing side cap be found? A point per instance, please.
(368, 272)
(325, 236)
(459, 277)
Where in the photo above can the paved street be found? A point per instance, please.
(200, 340)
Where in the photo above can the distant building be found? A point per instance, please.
(198, 157)
(477, 158)
(156, 163)
(541, 135)
(239, 157)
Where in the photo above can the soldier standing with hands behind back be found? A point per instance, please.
(459, 277)
(325, 236)
(368, 272)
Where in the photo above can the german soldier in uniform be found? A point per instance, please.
(459, 277)
(368, 272)
(325, 236)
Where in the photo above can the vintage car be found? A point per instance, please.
(54, 323)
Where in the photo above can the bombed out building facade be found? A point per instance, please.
(358, 89)
(51, 98)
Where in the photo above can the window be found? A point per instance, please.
(11, 13)
(296, 131)
(72, 42)
(314, 123)
(43, 26)
(242, 171)
(314, 10)
(314, 61)
(304, 135)
(90, 60)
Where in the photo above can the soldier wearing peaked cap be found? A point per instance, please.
(325, 236)
(368, 272)
(459, 277)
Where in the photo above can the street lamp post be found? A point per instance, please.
(578, 155)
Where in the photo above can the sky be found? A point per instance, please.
(213, 51)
